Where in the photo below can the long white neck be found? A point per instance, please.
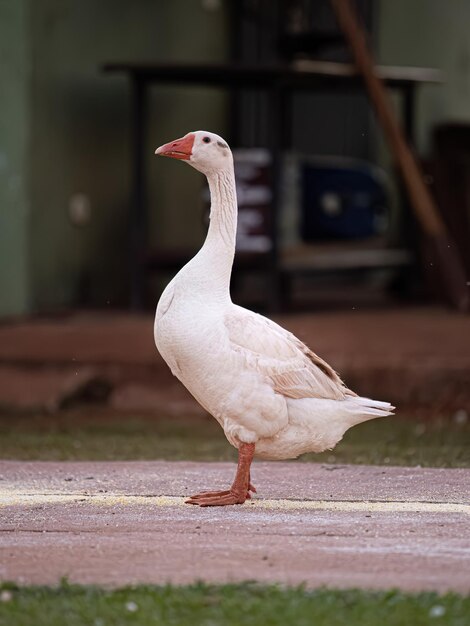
(221, 236)
(213, 263)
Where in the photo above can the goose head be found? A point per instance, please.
(205, 151)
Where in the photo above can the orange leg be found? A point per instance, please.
(241, 487)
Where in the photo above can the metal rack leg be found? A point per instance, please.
(410, 278)
(275, 295)
(138, 208)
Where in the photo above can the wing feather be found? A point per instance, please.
(293, 369)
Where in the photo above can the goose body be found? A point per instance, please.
(273, 396)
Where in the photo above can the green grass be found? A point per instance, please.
(91, 434)
(237, 605)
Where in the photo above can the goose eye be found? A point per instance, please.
(206, 139)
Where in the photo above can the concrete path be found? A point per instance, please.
(342, 526)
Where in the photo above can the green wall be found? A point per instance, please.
(15, 80)
(65, 130)
(81, 137)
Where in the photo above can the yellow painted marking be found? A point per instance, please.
(12, 498)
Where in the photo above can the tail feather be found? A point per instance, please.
(366, 409)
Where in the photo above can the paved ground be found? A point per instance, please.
(126, 522)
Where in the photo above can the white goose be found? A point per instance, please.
(273, 396)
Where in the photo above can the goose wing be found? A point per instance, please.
(293, 369)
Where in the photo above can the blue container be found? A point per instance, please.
(342, 200)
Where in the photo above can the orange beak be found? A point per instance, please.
(179, 149)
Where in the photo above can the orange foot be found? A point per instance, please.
(239, 491)
(221, 498)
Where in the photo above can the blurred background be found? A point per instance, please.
(330, 242)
